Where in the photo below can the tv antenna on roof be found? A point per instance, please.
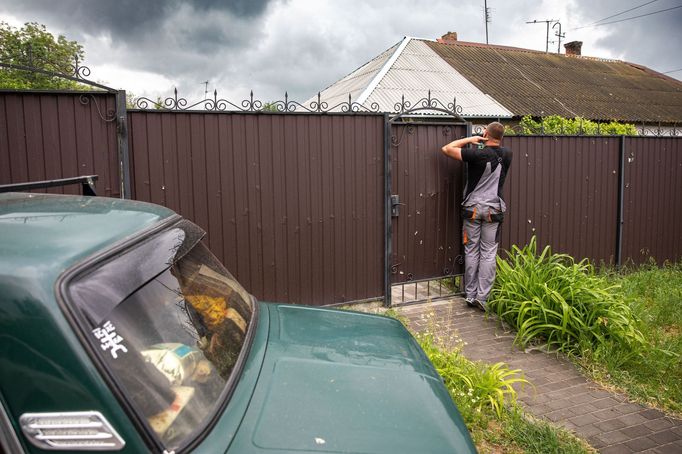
(559, 35)
(205, 84)
(488, 19)
(548, 21)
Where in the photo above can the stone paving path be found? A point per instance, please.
(609, 422)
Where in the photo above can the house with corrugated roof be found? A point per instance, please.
(492, 82)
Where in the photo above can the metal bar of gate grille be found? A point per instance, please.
(442, 293)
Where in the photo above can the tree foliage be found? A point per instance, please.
(557, 125)
(33, 46)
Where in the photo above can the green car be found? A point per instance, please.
(121, 331)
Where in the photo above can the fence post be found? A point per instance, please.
(388, 226)
(122, 140)
(621, 201)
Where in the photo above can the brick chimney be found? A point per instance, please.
(448, 38)
(573, 48)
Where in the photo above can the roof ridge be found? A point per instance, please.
(358, 68)
(382, 72)
(520, 49)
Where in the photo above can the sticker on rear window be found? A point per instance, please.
(109, 340)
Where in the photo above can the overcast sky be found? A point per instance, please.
(147, 47)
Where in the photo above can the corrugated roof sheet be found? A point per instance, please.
(354, 83)
(539, 84)
(419, 69)
(416, 70)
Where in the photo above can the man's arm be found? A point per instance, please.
(454, 148)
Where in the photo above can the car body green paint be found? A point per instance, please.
(315, 379)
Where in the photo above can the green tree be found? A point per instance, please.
(33, 46)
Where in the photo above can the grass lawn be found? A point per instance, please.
(655, 375)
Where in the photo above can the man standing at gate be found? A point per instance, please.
(483, 209)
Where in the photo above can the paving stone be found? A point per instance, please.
(652, 413)
(609, 425)
(627, 408)
(585, 431)
(659, 424)
(559, 415)
(617, 449)
(633, 419)
(583, 409)
(596, 442)
(667, 436)
(583, 420)
(614, 437)
(640, 444)
(605, 403)
(637, 431)
(670, 448)
(607, 414)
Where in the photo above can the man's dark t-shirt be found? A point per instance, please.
(486, 171)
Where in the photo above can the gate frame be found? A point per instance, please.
(120, 115)
(404, 109)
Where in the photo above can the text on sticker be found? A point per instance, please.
(109, 340)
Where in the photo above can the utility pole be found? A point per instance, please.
(205, 84)
(548, 21)
(487, 19)
(559, 35)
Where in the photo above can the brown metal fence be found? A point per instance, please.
(293, 204)
(652, 199)
(51, 135)
(564, 190)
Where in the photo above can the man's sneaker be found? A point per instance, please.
(479, 304)
(470, 302)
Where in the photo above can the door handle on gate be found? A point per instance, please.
(395, 205)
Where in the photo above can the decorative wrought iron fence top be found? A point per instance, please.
(287, 105)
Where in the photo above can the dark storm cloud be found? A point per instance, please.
(129, 20)
(652, 41)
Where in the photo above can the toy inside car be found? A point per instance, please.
(121, 331)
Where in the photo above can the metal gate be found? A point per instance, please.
(424, 254)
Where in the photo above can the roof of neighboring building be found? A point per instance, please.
(411, 69)
(501, 82)
(537, 83)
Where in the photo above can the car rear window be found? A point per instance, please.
(173, 343)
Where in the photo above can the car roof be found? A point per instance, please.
(41, 235)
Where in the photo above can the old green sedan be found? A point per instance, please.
(120, 331)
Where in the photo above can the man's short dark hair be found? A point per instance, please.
(495, 130)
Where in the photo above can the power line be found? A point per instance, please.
(672, 71)
(622, 12)
(630, 18)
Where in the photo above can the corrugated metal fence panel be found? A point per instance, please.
(652, 199)
(427, 233)
(293, 204)
(46, 136)
(564, 190)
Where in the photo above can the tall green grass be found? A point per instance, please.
(623, 327)
(655, 377)
(552, 299)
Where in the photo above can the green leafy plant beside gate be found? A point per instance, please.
(557, 125)
(549, 298)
